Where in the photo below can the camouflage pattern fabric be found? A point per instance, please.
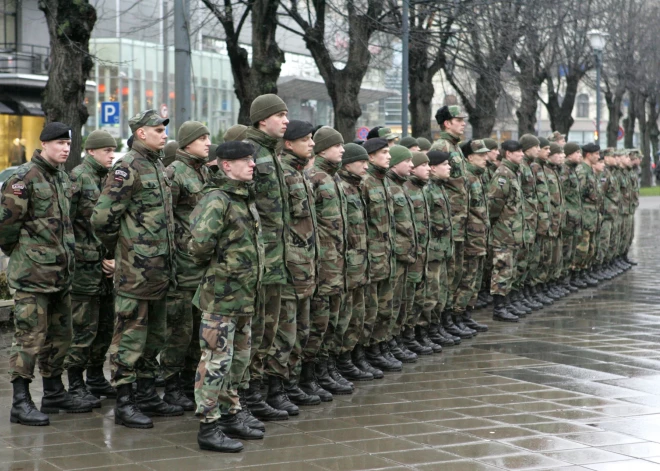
(529, 200)
(504, 270)
(505, 207)
(276, 362)
(353, 303)
(380, 223)
(378, 311)
(437, 291)
(180, 314)
(418, 197)
(301, 307)
(473, 269)
(264, 328)
(590, 197)
(398, 318)
(405, 235)
(478, 221)
(337, 325)
(572, 226)
(417, 302)
(85, 311)
(357, 255)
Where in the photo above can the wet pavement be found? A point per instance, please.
(573, 387)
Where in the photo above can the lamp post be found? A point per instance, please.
(404, 67)
(598, 39)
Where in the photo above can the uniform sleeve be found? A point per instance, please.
(13, 210)
(76, 186)
(175, 188)
(498, 189)
(207, 221)
(113, 202)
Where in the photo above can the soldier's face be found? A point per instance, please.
(610, 161)
(441, 171)
(56, 152)
(302, 147)
(414, 149)
(599, 166)
(557, 159)
(199, 147)
(533, 152)
(455, 126)
(561, 142)
(544, 152)
(575, 157)
(241, 169)
(154, 137)
(103, 156)
(591, 158)
(404, 168)
(515, 157)
(333, 154)
(422, 171)
(381, 158)
(358, 168)
(275, 125)
(478, 160)
(493, 155)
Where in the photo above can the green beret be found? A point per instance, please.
(424, 143)
(528, 141)
(237, 132)
(265, 106)
(189, 131)
(354, 153)
(325, 138)
(571, 148)
(100, 140)
(408, 142)
(399, 154)
(419, 158)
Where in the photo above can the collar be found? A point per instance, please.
(294, 160)
(395, 177)
(97, 167)
(571, 164)
(510, 165)
(349, 177)
(262, 138)
(417, 181)
(328, 167)
(189, 159)
(450, 137)
(146, 152)
(235, 187)
(528, 160)
(474, 169)
(43, 163)
(376, 171)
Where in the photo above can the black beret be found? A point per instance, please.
(466, 147)
(129, 143)
(358, 141)
(511, 146)
(374, 145)
(591, 147)
(234, 150)
(55, 130)
(437, 157)
(297, 129)
(373, 132)
(443, 115)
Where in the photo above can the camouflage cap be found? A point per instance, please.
(479, 147)
(609, 152)
(556, 136)
(146, 118)
(456, 112)
(387, 134)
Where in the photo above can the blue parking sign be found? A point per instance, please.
(109, 113)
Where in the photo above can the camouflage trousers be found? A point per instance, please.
(400, 299)
(180, 326)
(416, 303)
(225, 345)
(557, 259)
(455, 272)
(540, 271)
(353, 304)
(139, 336)
(42, 333)
(569, 244)
(378, 306)
(488, 269)
(504, 270)
(585, 249)
(276, 362)
(627, 233)
(468, 288)
(92, 320)
(332, 306)
(615, 237)
(437, 293)
(264, 328)
(604, 242)
(302, 310)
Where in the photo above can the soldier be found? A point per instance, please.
(351, 362)
(237, 132)
(225, 239)
(91, 294)
(330, 204)
(133, 219)
(169, 152)
(572, 227)
(380, 229)
(37, 236)
(417, 272)
(301, 258)
(586, 246)
(506, 219)
(410, 143)
(552, 169)
(635, 161)
(187, 174)
(609, 210)
(452, 122)
(424, 144)
(558, 138)
(268, 114)
(388, 135)
(621, 229)
(492, 163)
(476, 238)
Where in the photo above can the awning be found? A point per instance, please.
(308, 89)
(4, 109)
(32, 108)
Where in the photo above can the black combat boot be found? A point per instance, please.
(336, 374)
(23, 410)
(259, 408)
(451, 328)
(630, 261)
(387, 354)
(576, 280)
(422, 336)
(187, 378)
(327, 382)
(210, 437)
(588, 279)
(517, 304)
(233, 427)
(398, 353)
(471, 323)
(376, 359)
(411, 342)
(457, 318)
(277, 398)
(150, 403)
(411, 356)
(57, 398)
(540, 296)
(309, 384)
(127, 412)
(512, 307)
(97, 384)
(349, 371)
(246, 416)
(298, 396)
(500, 312)
(174, 394)
(77, 387)
(360, 361)
(438, 335)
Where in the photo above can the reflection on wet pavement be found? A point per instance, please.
(573, 387)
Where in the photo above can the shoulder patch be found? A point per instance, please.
(18, 188)
(120, 175)
(501, 181)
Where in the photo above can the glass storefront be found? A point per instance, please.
(19, 137)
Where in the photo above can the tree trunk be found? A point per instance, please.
(613, 101)
(70, 26)
(629, 123)
(530, 80)
(421, 90)
(640, 108)
(654, 132)
(561, 118)
(483, 120)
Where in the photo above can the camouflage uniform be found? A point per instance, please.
(539, 268)
(526, 254)
(505, 203)
(301, 259)
(133, 219)
(609, 188)
(37, 235)
(415, 292)
(572, 227)
(589, 192)
(557, 217)
(273, 210)
(330, 204)
(622, 224)
(188, 175)
(225, 238)
(91, 294)
(488, 262)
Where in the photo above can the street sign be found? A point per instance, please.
(163, 110)
(620, 135)
(109, 113)
(362, 133)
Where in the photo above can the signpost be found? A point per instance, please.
(362, 133)
(110, 117)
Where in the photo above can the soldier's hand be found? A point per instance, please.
(109, 267)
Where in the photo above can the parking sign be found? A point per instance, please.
(109, 113)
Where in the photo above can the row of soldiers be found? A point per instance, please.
(290, 258)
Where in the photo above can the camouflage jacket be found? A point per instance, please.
(380, 223)
(478, 222)
(626, 194)
(634, 196)
(405, 235)
(330, 204)
(357, 246)
(530, 202)
(505, 203)
(456, 185)
(225, 239)
(609, 187)
(441, 235)
(489, 172)
(300, 234)
(542, 196)
(87, 179)
(133, 219)
(271, 204)
(557, 208)
(415, 188)
(590, 196)
(35, 227)
(188, 175)
(570, 184)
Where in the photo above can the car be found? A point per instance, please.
(5, 174)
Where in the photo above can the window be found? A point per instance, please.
(8, 24)
(583, 105)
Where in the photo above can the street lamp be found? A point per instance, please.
(598, 39)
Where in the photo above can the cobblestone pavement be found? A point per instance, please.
(573, 387)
